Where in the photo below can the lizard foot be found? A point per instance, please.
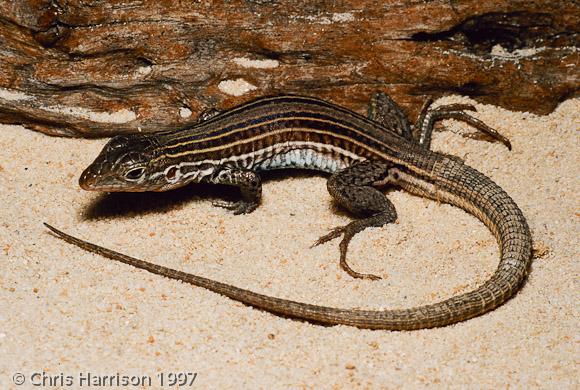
(348, 232)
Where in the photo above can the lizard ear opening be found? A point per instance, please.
(171, 174)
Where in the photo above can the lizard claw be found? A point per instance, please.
(238, 207)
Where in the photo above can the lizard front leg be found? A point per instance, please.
(353, 189)
(247, 181)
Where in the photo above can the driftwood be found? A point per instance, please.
(94, 68)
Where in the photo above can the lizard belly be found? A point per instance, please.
(302, 155)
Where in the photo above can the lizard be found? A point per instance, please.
(362, 155)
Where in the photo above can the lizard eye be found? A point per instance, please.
(134, 174)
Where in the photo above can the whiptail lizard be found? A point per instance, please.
(360, 153)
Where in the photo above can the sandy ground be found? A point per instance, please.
(66, 314)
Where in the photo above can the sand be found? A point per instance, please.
(65, 314)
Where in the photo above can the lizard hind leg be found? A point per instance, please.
(424, 126)
(352, 189)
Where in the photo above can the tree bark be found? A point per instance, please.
(97, 68)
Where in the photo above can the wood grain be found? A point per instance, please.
(97, 68)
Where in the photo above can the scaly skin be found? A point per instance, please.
(392, 158)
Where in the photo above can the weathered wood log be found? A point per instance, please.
(94, 68)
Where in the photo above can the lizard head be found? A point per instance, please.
(122, 166)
